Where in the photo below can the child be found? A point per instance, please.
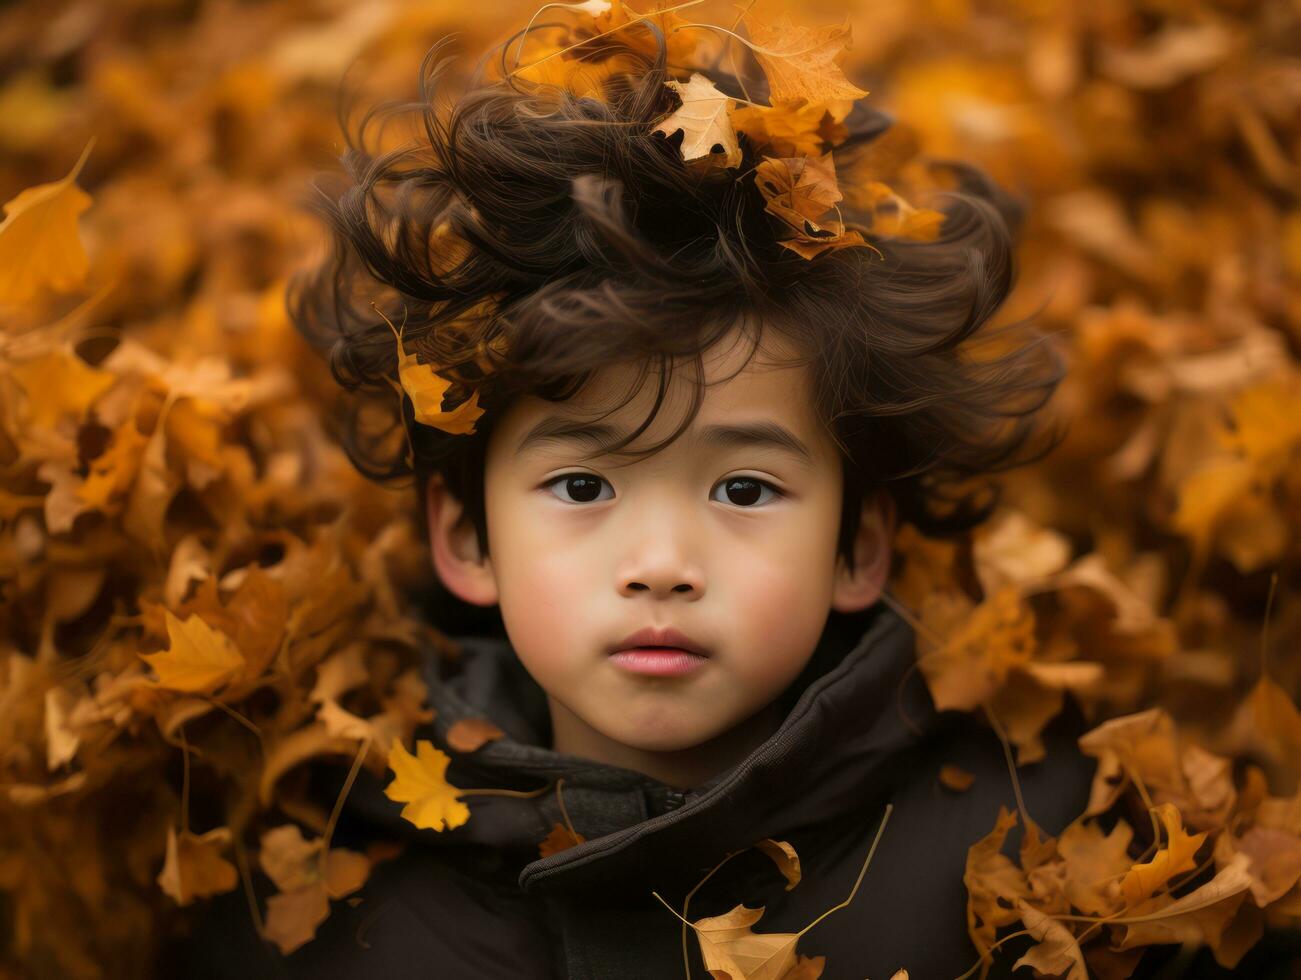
(665, 417)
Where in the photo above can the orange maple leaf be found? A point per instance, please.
(801, 62)
(199, 660)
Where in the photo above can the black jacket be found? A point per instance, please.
(860, 731)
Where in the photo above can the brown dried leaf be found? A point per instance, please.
(469, 734)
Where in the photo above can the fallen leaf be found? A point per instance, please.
(727, 944)
(194, 867)
(199, 659)
(420, 782)
(40, 245)
(560, 839)
(1175, 857)
(955, 777)
(469, 734)
(783, 855)
(993, 883)
(1057, 953)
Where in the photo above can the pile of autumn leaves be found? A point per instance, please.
(200, 595)
(1220, 860)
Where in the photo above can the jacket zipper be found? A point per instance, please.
(673, 799)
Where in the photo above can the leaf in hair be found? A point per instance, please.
(686, 47)
(426, 390)
(704, 121)
(789, 130)
(798, 191)
(801, 62)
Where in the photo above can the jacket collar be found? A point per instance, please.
(850, 715)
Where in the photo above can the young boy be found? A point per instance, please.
(679, 414)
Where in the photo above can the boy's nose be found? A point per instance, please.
(665, 573)
(643, 587)
(660, 552)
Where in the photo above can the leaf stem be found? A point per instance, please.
(975, 966)
(338, 803)
(517, 794)
(672, 909)
(889, 807)
(686, 903)
(1011, 766)
(185, 782)
(560, 798)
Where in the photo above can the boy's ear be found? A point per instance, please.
(873, 547)
(454, 548)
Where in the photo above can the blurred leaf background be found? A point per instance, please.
(169, 472)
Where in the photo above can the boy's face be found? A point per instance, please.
(730, 541)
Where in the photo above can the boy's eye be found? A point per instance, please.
(746, 491)
(584, 487)
(743, 491)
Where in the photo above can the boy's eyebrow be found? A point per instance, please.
(599, 435)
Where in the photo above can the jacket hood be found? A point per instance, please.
(850, 718)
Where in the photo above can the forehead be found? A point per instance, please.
(765, 387)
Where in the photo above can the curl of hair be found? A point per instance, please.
(562, 228)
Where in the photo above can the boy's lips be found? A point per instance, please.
(658, 661)
(665, 636)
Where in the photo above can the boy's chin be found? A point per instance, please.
(662, 741)
(662, 736)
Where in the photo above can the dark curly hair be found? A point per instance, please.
(533, 236)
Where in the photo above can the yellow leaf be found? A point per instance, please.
(1198, 917)
(114, 470)
(1266, 421)
(788, 130)
(200, 658)
(426, 390)
(1206, 494)
(981, 645)
(59, 383)
(894, 216)
(40, 246)
(421, 783)
(1177, 856)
